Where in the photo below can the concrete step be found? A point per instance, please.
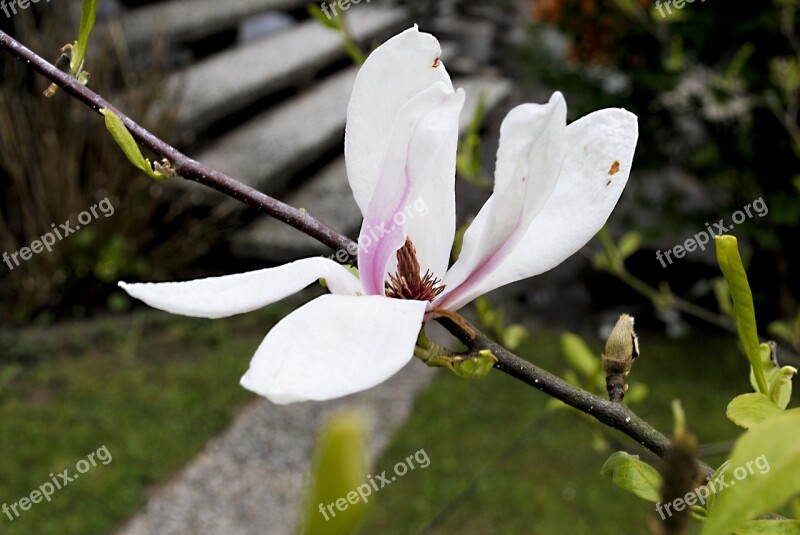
(227, 82)
(252, 479)
(187, 20)
(267, 150)
(327, 195)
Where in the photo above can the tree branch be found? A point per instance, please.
(612, 414)
(186, 167)
(615, 415)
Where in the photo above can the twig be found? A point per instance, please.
(613, 414)
(186, 167)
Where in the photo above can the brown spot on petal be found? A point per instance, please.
(436, 63)
(608, 182)
(614, 168)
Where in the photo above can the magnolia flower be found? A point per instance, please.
(555, 186)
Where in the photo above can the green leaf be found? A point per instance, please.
(636, 393)
(731, 264)
(748, 410)
(458, 241)
(675, 62)
(723, 295)
(578, 355)
(353, 50)
(474, 367)
(774, 449)
(315, 11)
(340, 470)
(629, 244)
(468, 157)
(514, 335)
(633, 475)
(734, 70)
(780, 381)
(769, 527)
(88, 14)
(128, 145)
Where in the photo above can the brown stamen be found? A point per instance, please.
(407, 283)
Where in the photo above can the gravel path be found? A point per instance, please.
(251, 478)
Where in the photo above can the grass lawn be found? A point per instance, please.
(154, 388)
(151, 388)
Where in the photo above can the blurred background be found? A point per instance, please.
(258, 89)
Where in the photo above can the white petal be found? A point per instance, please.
(423, 138)
(333, 346)
(431, 214)
(393, 74)
(594, 174)
(532, 148)
(218, 297)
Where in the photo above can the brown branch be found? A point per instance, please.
(615, 415)
(186, 167)
(610, 413)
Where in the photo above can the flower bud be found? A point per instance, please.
(622, 348)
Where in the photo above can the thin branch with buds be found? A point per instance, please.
(183, 165)
(610, 413)
(615, 415)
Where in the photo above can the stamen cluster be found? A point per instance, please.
(407, 283)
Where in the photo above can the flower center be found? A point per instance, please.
(407, 282)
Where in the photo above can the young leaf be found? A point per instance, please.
(326, 20)
(128, 145)
(636, 393)
(780, 381)
(468, 157)
(731, 264)
(629, 243)
(340, 469)
(633, 475)
(768, 487)
(353, 50)
(748, 410)
(579, 356)
(514, 335)
(88, 14)
(475, 367)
